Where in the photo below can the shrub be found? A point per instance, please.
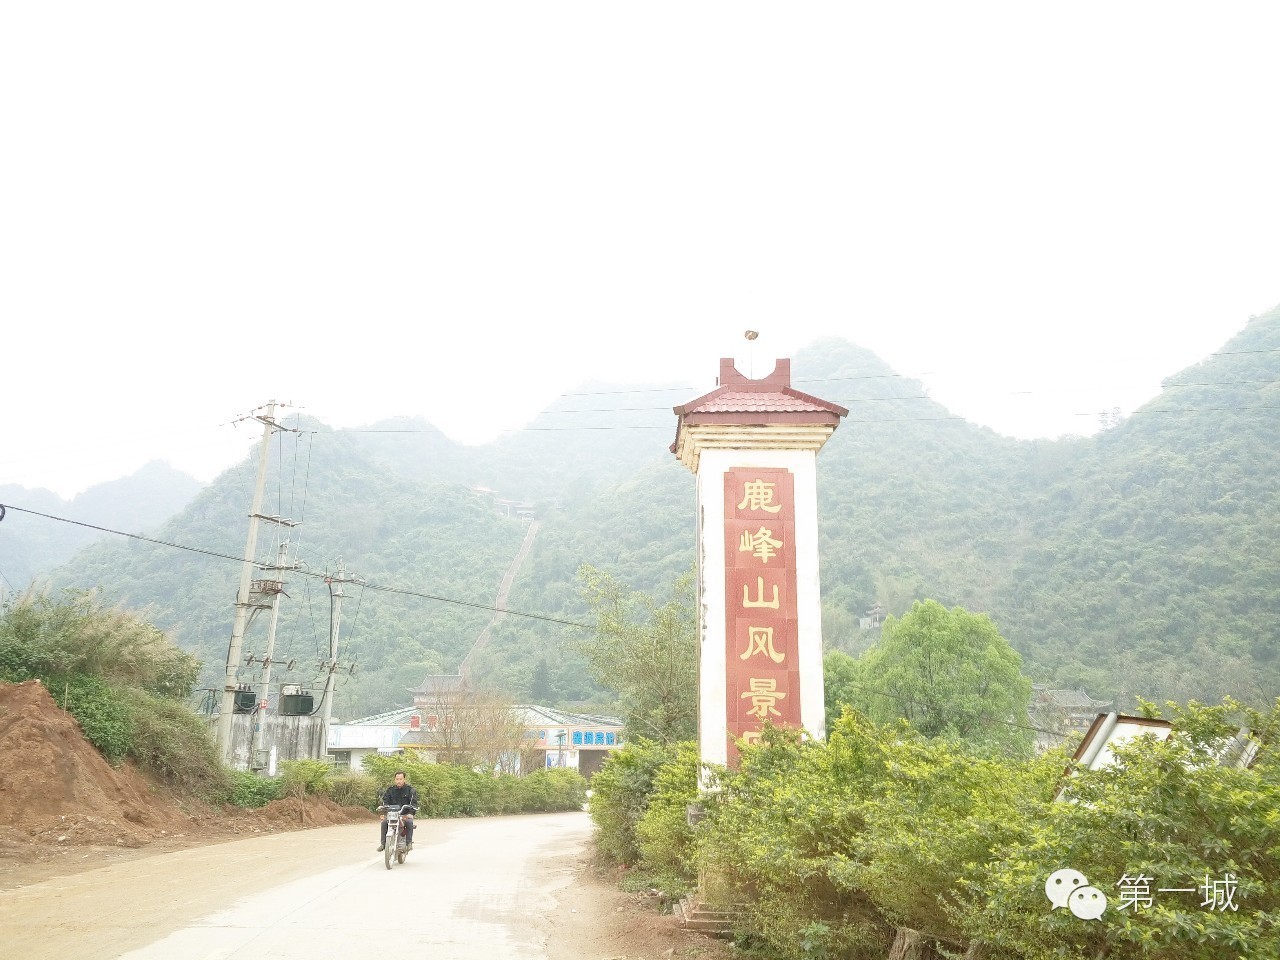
(447, 790)
(171, 742)
(43, 638)
(776, 827)
(663, 835)
(121, 678)
(247, 789)
(306, 777)
(620, 794)
(547, 791)
(103, 714)
(354, 790)
(1166, 810)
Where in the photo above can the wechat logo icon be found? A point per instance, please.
(1070, 888)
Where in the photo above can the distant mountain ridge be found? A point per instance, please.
(1142, 561)
(31, 546)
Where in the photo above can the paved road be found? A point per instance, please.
(484, 888)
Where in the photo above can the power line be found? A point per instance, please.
(614, 393)
(382, 588)
(867, 420)
(1216, 383)
(351, 630)
(1208, 409)
(844, 401)
(1238, 353)
(867, 376)
(654, 409)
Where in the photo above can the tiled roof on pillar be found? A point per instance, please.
(742, 412)
(736, 394)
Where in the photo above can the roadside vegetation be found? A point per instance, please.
(128, 686)
(123, 680)
(826, 848)
(445, 790)
(925, 809)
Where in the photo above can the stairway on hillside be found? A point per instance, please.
(504, 590)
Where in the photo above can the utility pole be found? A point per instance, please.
(330, 666)
(246, 607)
(264, 687)
(242, 595)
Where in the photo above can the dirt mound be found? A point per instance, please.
(60, 800)
(311, 811)
(50, 775)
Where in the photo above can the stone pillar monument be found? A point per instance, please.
(753, 446)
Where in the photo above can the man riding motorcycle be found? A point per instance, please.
(399, 794)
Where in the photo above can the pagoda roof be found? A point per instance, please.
(737, 394)
(441, 683)
(742, 413)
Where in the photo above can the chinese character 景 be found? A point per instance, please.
(764, 696)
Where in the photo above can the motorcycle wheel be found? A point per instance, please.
(389, 855)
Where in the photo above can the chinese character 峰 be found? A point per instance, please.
(760, 544)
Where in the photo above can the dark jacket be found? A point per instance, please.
(399, 796)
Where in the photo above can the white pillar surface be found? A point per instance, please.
(713, 465)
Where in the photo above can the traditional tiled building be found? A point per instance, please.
(447, 721)
(1061, 715)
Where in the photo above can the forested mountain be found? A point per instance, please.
(1142, 561)
(136, 503)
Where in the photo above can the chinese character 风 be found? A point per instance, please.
(760, 640)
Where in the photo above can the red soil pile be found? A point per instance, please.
(291, 813)
(48, 771)
(57, 790)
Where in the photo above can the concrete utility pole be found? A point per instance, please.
(242, 595)
(330, 666)
(264, 685)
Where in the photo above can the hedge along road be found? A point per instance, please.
(483, 888)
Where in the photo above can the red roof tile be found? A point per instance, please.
(734, 401)
(771, 394)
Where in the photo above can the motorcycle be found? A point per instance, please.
(397, 840)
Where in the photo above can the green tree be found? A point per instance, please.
(540, 683)
(646, 652)
(1167, 811)
(831, 845)
(841, 680)
(949, 673)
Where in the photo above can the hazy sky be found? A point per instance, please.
(463, 210)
